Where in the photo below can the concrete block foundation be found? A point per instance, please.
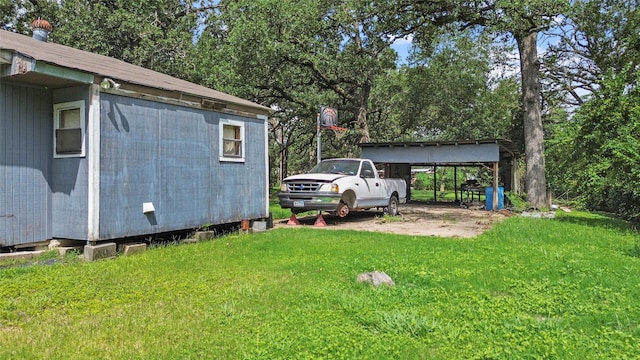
(99, 251)
(131, 249)
(259, 226)
(204, 235)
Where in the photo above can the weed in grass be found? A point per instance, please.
(204, 227)
(634, 251)
(47, 255)
(73, 257)
(9, 263)
(449, 219)
(229, 309)
(403, 322)
(518, 201)
(165, 244)
(386, 218)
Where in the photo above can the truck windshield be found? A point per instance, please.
(347, 167)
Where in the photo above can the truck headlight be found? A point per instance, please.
(283, 187)
(330, 188)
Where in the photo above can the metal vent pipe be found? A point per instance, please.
(41, 29)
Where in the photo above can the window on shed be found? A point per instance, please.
(231, 141)
(68, 128)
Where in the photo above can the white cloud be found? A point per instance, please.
(407, 40)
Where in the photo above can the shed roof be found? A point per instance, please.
(104, 66)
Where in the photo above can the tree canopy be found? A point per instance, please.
(294, 57)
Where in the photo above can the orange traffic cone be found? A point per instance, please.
(293, 220)
(320, 220)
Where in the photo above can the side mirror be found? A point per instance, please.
(367, 173)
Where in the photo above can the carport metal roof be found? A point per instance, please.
(486, 153)
(452, 153)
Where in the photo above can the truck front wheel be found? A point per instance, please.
(343, 209)
(392, 208)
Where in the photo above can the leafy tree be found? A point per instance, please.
(523, 20)
(595, 37)
(156, 34)
(301, 55)
(606, 160)
(561, 132)
(452, 93)
(17, 15)
(595, 63)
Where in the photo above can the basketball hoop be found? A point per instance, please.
(339, 132)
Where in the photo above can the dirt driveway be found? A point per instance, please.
(415, 219)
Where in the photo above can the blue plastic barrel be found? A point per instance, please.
(488, 194)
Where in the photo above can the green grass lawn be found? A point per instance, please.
(564, 288)
(427, 195)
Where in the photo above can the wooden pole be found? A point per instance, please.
(319, 150)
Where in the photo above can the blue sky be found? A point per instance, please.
(402, 46)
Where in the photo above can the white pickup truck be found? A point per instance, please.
(341, 185)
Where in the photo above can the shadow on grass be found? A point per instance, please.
(634, 251)
(600, 220)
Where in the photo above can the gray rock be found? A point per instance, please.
(539, 214)
(376, 278)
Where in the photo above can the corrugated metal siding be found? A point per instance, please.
(69, 198)
(238, 190)
(168, 155)
(25, 154)
(69, 181)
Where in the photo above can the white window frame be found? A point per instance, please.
(57, 109)
(240, 125)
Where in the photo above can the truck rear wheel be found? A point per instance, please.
(392, 208)
(343, 209)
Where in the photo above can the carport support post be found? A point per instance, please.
(435, 184)
(494, 202)
(514, 175)
(455, 182)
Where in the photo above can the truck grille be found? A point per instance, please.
(303, 187)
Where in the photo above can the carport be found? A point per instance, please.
(498, 155)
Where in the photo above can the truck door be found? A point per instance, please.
(372, 191)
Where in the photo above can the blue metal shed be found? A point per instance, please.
(93, 148)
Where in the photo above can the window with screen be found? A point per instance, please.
(232, 141)
(68, 129)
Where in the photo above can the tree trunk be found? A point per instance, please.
(361, 120)
(536, 183)
(284, 155)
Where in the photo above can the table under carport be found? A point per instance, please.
(499, 155)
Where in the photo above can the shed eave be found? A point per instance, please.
(6, 56)
(21, 68)
(62, 73)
